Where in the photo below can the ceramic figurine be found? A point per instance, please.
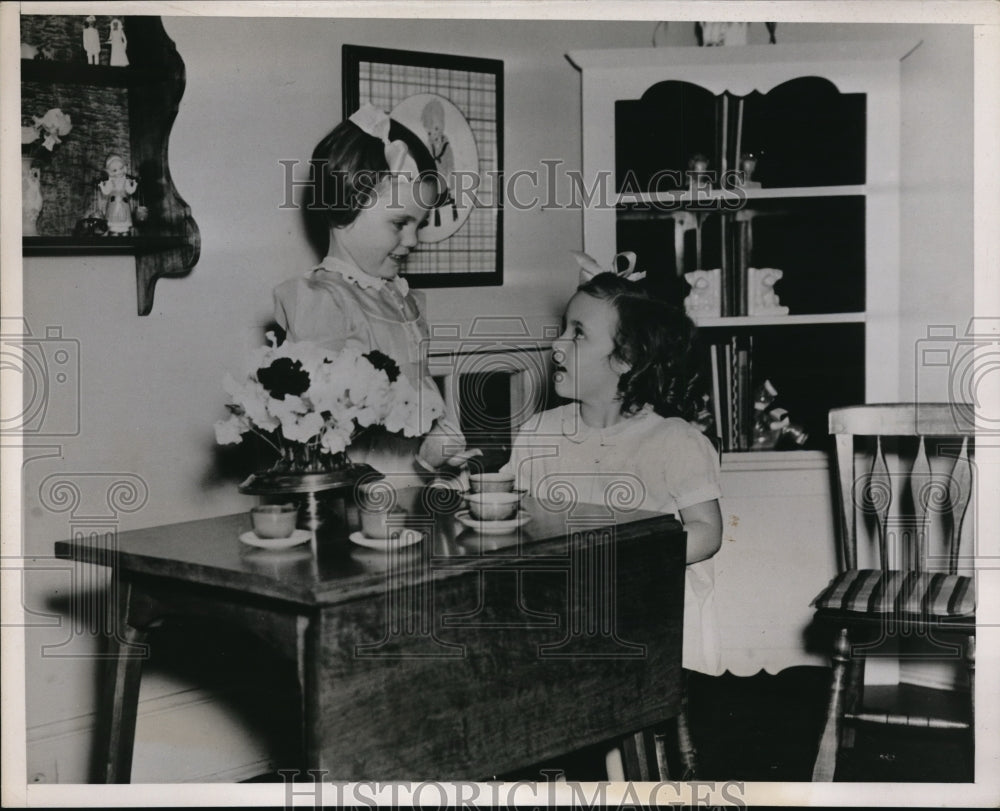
(31, 197)
(117, 188)
(49, 127)
(661, 35)
(761, 298)
(705, 298)
(118, 44)
(710, 34)
(699, 178)
(748, 165)
(91, 40)
(93, 224)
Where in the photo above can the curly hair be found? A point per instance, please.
(656, 340)
(349, 164)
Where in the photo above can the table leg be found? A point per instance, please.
(116, 728)
(310, 738)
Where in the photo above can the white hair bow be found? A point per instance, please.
(622, 264)
(375, 122)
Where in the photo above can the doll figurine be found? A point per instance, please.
(116, 37)
(117, 188)
(91, 41)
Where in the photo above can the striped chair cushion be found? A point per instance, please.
(872, 591)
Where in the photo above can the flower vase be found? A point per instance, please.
(31, 196)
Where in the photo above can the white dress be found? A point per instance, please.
(657, 464)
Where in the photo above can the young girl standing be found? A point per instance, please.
(374, 183)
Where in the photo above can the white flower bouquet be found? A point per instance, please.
(309, 403)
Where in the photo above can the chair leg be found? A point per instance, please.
(826, 757)
(853, 698)
(638, 760)
(970, 661)
(662, 763)
(685, 743)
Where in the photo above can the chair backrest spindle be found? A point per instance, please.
(935, 496)
(960, 494)
(921, 491)
(878, 498)
(848, 517)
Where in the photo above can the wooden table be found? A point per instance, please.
(464, 656)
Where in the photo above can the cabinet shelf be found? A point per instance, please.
(781, 320)
(713, 199)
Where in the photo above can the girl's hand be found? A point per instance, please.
(444, 447)
(463, 458)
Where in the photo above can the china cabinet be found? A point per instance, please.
(819, 126)
(127, 110)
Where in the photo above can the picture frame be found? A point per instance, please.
(456, 102)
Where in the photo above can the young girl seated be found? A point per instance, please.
(623, 362)
(374, 183)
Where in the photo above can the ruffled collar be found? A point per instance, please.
(363, 280)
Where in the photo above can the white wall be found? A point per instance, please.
(259, 91)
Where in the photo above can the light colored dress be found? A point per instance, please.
(647, 462)
(336, 305)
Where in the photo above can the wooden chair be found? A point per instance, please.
(916, 591)
(644, 754)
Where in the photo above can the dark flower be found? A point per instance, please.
(383, 363)
(284, 376)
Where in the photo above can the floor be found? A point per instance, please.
(766, 728)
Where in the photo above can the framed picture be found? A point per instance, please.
(454, 104)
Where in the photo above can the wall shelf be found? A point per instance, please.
(99, 246)
(123, 110)
(33, 70)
